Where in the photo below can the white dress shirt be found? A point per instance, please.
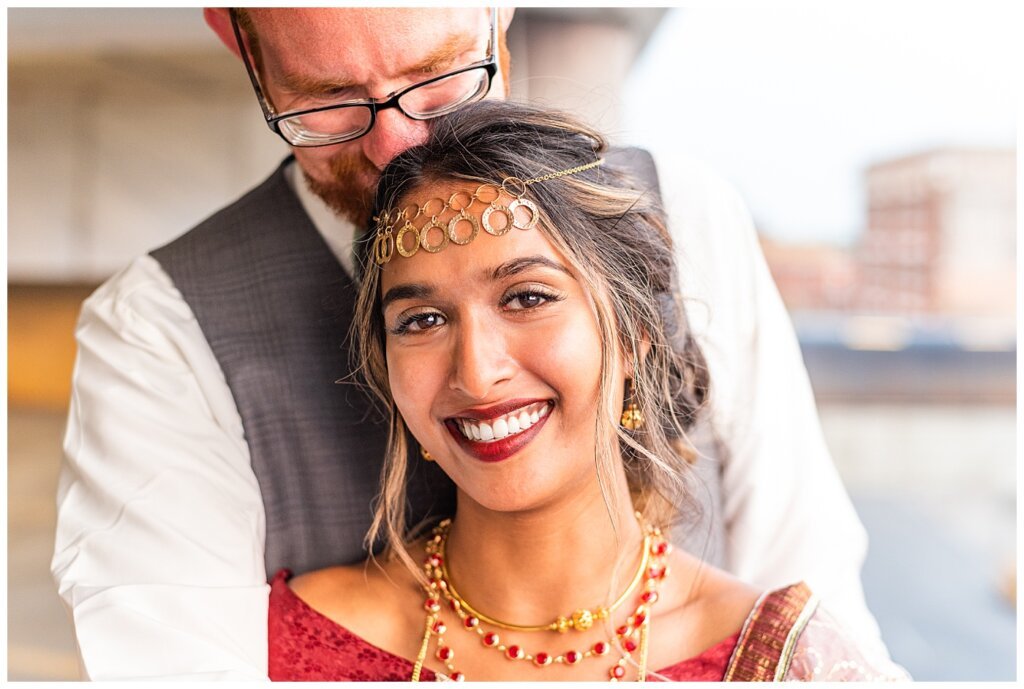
(160, 525)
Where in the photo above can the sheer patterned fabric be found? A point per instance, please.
(825, 652)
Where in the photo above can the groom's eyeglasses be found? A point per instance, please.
(351, 119)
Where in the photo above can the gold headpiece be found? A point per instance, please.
(394, 224)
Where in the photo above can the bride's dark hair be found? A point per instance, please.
(612, 232)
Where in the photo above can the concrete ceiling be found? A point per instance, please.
(639, 21)
(40, 32)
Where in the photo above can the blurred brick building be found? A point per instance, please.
(940, 240)
(812, 277)
(941, 234)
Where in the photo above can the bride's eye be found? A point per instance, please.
(526, 299)
(418, 322)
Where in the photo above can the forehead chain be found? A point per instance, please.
(393, 225)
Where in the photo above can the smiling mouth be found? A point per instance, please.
(505, 426)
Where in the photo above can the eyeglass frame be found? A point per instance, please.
(375, 105)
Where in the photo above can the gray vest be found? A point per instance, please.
(275, 306)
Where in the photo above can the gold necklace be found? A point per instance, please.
(630, 637)
(580, 620)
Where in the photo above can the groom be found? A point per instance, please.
(208, 444)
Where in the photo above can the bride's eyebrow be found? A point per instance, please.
(412, 290)
(419, 290)
(518, 265)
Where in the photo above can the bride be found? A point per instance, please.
(519, 323)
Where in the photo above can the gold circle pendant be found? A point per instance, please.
(485, 219)
(384, 249)
(425, 236)
(453, 225)
(400, 240)
(525, 203)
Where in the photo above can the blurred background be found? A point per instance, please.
(875, 147)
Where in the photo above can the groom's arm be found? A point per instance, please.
(160, 522)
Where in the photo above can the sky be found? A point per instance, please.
(792, 104)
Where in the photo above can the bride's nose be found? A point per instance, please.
(481, 359)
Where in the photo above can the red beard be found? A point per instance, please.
(348, 194)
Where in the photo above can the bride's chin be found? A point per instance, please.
(512, 495)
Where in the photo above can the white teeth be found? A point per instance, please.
(500, 429)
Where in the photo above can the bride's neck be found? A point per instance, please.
(530, 567)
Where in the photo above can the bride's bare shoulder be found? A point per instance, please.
(716, 601)
(321, 585)
(728, 598)
(349, 594)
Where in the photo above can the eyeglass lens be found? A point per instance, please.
(422, 101)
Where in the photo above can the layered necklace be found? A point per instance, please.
(630, 637)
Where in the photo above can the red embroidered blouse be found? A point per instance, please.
(306, 646)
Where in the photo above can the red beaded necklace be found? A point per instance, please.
(630, 637)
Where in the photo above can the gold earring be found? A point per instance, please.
(631, 417)
(426, 455)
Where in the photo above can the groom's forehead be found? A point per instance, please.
(319, 39)
(396, 29)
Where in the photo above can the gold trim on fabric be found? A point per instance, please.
(744, 633)
(794, 634)
(768, 638)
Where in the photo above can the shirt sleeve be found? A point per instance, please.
(787, 514)
(160, 522)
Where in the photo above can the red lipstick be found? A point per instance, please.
(496, 450)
